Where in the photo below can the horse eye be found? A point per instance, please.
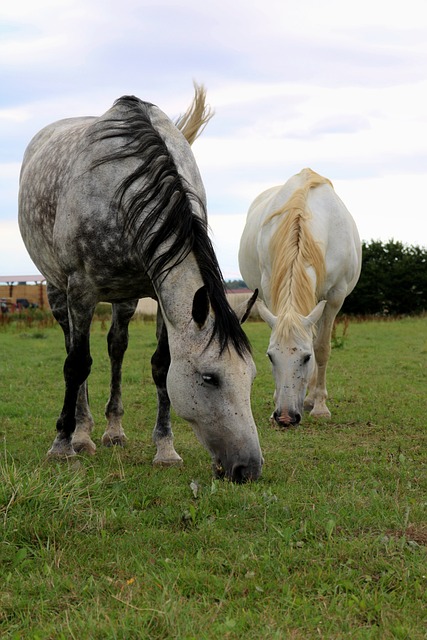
(306, 358)
(211, 379)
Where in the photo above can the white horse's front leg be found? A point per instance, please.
(320, 395)
(310, 398)
(317, 396)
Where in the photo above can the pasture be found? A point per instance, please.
(330, 543)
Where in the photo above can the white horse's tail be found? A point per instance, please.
(198, 114)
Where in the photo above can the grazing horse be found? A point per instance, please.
(301, 249)
(113, 208)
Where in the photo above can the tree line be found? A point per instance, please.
(393, 281)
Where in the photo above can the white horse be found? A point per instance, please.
(301, 249)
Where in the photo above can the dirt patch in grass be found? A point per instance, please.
(412, 533)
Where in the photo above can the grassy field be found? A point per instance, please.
(330, 543)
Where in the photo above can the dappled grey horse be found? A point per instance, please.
(113, 208)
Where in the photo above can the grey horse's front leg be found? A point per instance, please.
(118, 338)
(82, 442)
(75, 423)
(162, 433)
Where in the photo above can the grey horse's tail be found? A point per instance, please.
(194, 120)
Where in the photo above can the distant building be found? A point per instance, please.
(24, 287)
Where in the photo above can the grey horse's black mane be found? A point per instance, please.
(168, 198)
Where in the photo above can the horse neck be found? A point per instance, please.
(176, 292)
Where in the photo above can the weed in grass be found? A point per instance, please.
(337, 342)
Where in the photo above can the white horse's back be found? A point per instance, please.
(331, 225)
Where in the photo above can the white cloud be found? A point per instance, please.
(388, 207)
(14, 257)
(339, 87)
(225, 234)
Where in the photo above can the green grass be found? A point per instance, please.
(330, 543)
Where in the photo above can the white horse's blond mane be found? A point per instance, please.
(294, 250)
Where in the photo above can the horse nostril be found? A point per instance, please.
(238, 473)
(241, 473)
(284, 419)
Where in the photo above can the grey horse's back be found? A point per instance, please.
(46, 134)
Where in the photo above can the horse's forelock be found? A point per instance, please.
(290, 327)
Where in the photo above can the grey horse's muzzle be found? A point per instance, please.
(239, 472)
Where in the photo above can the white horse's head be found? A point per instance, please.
(291, 354)
(211, 389)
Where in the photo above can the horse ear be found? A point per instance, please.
(200, 310)
(315, 315)
(243, 311)
(266, 315)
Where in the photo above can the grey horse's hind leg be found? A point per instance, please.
(75, 423)
(118, 338)
(162, 433)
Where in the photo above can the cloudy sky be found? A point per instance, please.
(339, 87)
